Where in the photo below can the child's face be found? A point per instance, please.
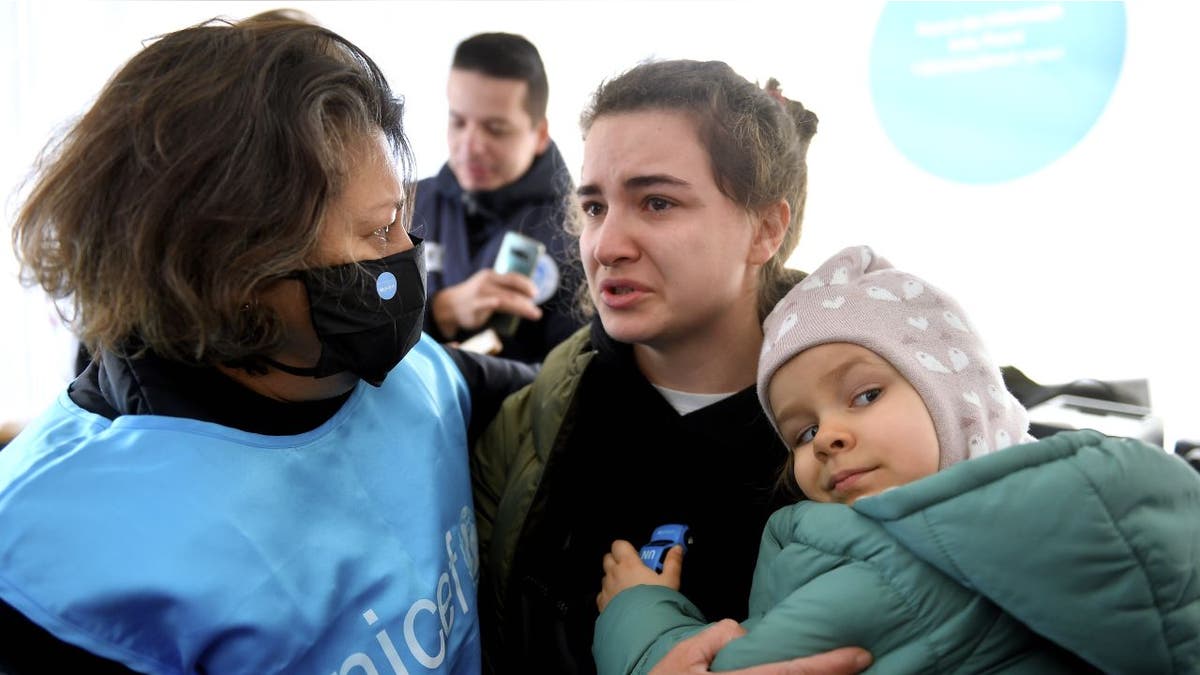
(854, 423)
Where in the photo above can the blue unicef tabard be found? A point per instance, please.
(178, 546)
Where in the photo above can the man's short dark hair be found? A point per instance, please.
(511, 57)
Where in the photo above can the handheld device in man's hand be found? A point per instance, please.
(663, 539)
(518, 253)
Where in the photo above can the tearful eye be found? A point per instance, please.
(592, 209)
(867, 397)
(382, 235)
(657, 204)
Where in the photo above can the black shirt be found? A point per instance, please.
(633, 463)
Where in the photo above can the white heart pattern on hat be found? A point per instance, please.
(977, 446)
(834, 303)
(811, 282)
(789, 322)
(1002, 439)
(882, 294)
(931, 363)
(958, 359)
(1000, 396)
(955, 322)
(918, 322)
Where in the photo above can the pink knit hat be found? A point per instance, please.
(858, 297)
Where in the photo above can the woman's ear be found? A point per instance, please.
(770, 225)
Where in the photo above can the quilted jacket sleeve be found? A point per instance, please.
(640, 626)
(828, 578)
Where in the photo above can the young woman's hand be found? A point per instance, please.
(623, 568)
(696, 653)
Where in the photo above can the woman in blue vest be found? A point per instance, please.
(264, 467)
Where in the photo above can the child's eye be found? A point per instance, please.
(867, 397)
(806, 435)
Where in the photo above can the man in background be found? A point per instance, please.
(504, 174)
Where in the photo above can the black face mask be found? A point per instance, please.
(367, 314)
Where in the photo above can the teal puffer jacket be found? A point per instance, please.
(1039, 558)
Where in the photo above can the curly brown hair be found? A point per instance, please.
(200, 176)
(757, 149)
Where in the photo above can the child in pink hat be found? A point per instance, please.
(1075, 552)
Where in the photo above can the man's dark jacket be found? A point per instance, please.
(466, 229)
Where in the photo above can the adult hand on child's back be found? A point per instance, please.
(623, 568)
(696, 653)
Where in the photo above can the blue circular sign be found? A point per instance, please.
(984, 92)
(385, 285)
(545, 278)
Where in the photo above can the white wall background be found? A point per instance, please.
(1083, 269)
